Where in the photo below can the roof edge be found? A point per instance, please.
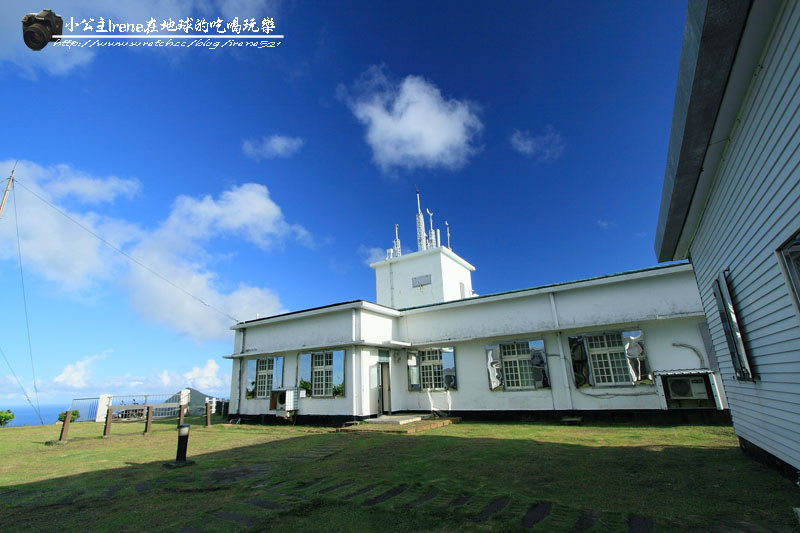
(710, 42)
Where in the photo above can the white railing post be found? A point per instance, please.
(103, 403)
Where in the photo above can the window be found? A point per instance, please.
(431, 373)
(321, 374)
(730, 326)
(250, 379)
(413, 372)
(608, 360)
(263, 375)
(517, 365)
(432, 369)
(790, 257)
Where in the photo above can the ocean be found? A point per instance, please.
(24, 415)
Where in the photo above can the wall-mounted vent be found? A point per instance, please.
(420, 281)
(687, 388)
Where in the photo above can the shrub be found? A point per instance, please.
(6, 417)
(62, 416)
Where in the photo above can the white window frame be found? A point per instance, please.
(791, 270)
(264, 376)
(608, 361)
(431, 370)
(515, 358)
(322, 374)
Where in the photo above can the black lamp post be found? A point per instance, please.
(183, 443)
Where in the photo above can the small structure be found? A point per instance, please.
(731, 203)
(630, 341)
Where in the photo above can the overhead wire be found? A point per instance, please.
(25, 305)
(128, 256)
(20, 384)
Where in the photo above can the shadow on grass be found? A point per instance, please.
(440, 480)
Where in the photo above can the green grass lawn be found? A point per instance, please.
(311, 479)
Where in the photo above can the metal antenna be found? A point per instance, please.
(396, 248)
(8, 187)
(422, 242)
(446, 225)
(432, 235)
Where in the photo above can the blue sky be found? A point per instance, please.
(263, 180)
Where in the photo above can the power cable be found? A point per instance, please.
(25, 305)
(20, 385)
(128, 256)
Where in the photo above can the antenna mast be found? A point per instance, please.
(432, 236)
(447, 225)
(422, 240)
(396, 248)
(8, 187)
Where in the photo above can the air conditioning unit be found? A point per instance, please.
(292, 399)
(687, 388)
(277, 400)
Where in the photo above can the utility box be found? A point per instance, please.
(284, 400)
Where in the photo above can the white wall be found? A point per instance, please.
(473, 392)
(393, 278)
(308, 406)
(657, 304)
(621, 300)
(319, 330)
(753, 208)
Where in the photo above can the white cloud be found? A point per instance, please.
(246, 210)
(77, 375)
(178, 249)
(205, 378)
(54, 247)
(372, 255)
(175, 251)
(272, 146)
(548, 146)
(94, 190)
(410, 125)
(606, 224)
(61, 60)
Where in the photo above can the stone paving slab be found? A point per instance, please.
(265, 504)
(391, 493)
(586, 521)
(460, 500)
(423, 499)
(332, 488)
(536, 513)
(639, 524)
(413, 427)
(243, 520)
(69, 499)
(494, 507)
(361, 491)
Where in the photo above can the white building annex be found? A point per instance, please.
(630, 341)
(731, 204)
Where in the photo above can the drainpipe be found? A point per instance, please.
(561, 352)
(241, 360)
(354, 381)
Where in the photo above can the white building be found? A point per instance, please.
(629, 341)
(731, 203)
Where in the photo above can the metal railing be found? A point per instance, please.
(86, 407)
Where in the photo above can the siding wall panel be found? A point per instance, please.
(752, 209)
